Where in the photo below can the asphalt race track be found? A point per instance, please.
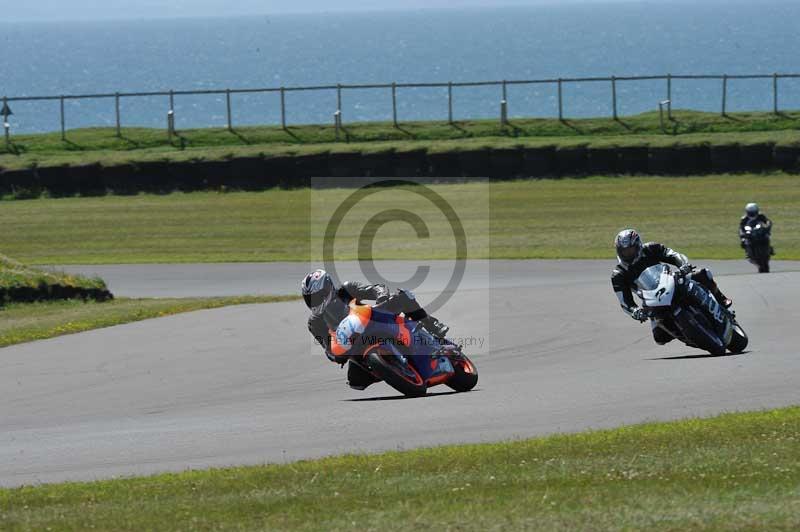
(245, 385)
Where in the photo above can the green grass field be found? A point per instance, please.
(733, 472)
(566, 218)
(137, 144)
(25, 322)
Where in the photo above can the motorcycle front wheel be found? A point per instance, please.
(738, 341)
(466, 376)
(402, 377)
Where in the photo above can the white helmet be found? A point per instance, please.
(628, 244)
(317, 288)
(751, 210)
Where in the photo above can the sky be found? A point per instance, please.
(50, 10)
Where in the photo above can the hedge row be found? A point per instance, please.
(259, 173)
(23, 284)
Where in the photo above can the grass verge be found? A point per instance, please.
(37, 321)
(101, 145)
(733, 472)
(19, 282)
(566, 218)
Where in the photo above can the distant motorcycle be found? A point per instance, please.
(688, 311)
(757, 246)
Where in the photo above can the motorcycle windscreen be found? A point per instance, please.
(656, 286)
(649, 279)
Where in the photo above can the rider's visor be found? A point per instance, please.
(316, 301)
(628, 253)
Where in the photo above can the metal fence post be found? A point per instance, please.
(614, 96)
(394, 103)
(63, 120)
(337, 122)
(170, 125)
(171, 100)
(228, 103)
(724, 94)
(339, 97)
(560, 100)
(119, 122)
(6, 125)
(669, 95)
(283, 107)
(450, 102)
(775, 93)
(504, 105)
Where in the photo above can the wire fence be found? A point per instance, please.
(393, 91)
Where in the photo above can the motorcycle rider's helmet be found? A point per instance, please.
(751, 210)
(318, 290)
(628, 244)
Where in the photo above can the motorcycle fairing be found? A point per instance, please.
(706, 301)
(656, 286)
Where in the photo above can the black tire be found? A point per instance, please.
(405, 380)
(739, 340)
(465, 377)
(698, 336)
(763, 267)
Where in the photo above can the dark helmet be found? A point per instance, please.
(751, 210)
(318, 289)
(628, 244)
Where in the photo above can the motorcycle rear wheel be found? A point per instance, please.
(405, 380)
(466, 376)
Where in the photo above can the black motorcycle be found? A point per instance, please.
(688, 311)
(757, 246)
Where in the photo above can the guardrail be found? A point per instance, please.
(338, 119)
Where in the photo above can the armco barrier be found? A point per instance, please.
(410, 164)
(506, 163)
(602, 161)
(260, 173)
(787, 158)
(475, 163)
(692, 160)
(633, 160)
(756, 157)
(539, 162)
(725, 158)
(571, 160)
(444, 164)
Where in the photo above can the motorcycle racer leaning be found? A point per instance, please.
(330, 315)
(634, 257)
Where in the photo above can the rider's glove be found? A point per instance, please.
(639, 315)
(744, 243)
(686, 269)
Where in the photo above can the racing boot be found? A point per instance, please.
(358, 378)
(435, 327)
(720, 297)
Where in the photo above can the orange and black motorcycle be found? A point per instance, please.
(401, 353)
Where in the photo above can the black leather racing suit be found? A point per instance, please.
(624, 276)
(760, 218)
